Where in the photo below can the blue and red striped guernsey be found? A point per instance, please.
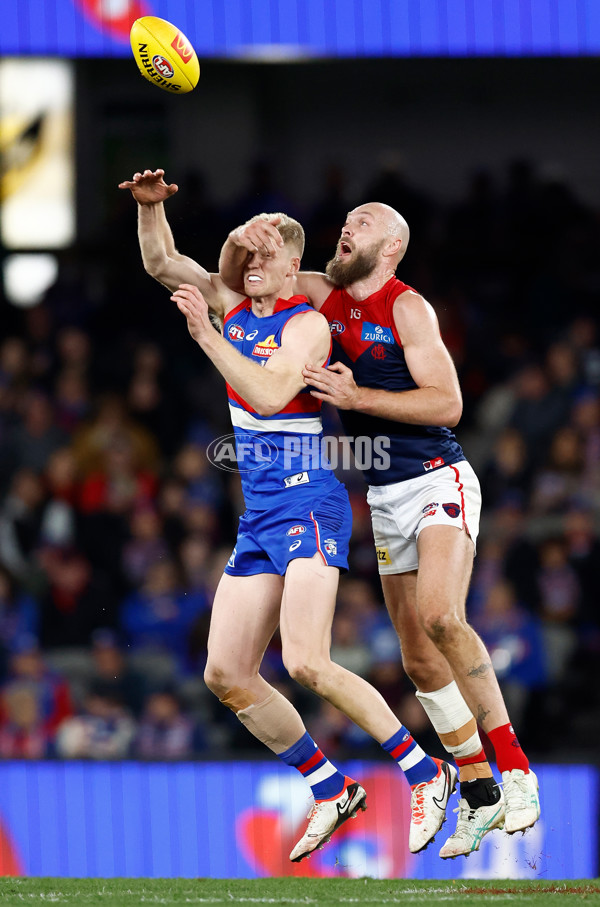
(283, 451)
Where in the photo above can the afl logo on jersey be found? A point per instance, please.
(162, 66)
(336, 327)
(236, 332)
(296, 530)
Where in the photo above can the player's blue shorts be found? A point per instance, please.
(269, 539)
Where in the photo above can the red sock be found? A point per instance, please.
(472, 759)
(509, 754)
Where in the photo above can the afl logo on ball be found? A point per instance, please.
(163, 66)
(235, 332)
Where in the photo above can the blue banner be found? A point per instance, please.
(240, 820)
(276, 29)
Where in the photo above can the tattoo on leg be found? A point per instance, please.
(479, 671)
(481, 714)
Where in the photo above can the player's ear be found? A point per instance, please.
(392, 248)
(294, 267)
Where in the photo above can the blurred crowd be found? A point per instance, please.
(115, 527)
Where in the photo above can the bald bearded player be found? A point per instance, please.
(392, 376)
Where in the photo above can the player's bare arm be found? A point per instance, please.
(263, 236)
(436, 400)
(267, 389)
(159, 254)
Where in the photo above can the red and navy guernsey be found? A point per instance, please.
(366, 340)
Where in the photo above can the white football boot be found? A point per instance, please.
(471, 827)
(428, 806)
(522, 800)
(326, 816)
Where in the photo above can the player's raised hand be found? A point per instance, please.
(192, 304)
(260, 236)
(149, 187)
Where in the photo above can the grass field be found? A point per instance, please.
(320, 892)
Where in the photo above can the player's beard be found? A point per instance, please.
(361, 266)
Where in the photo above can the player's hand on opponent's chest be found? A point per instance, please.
(192, 304)
(335, 385)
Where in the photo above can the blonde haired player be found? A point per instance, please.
(395, 378)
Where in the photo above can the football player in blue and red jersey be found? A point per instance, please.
(293, 537)
(393, 377)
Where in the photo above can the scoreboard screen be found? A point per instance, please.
(306, 29)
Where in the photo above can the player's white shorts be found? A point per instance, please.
(449, 496)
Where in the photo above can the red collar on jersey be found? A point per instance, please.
(282, 304)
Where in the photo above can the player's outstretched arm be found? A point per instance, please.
(266, 389)
(263, 236)
(159, 254)
(436, 400)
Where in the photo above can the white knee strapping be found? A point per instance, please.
(448, 713)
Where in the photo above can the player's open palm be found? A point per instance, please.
(149, 187)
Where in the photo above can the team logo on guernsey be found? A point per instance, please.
(296, 530)
(330, 546)
(162, 66)
(236, 332)
(336, 327)
(266, 347)
(378, 351)
(374, 333)
(452, 510)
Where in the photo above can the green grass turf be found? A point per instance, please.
(319, 892)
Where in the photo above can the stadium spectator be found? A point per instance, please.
(104, 731)
(28, 667)
(164, 732)
(160, 615)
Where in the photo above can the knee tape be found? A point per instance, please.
(237, 699)
(452, 719)
(274, 721)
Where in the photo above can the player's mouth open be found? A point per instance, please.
(344, 249)
(253, 278)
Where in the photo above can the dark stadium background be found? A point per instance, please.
(494, 163)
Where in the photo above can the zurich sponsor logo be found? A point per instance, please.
(336, 327)
(296, 530)
(236, 332)
(374, 333)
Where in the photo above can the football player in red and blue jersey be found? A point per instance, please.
(293, 537)
(392, 376)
